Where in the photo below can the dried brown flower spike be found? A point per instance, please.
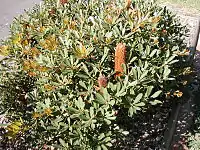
(120, 55)
(102, 81)
(62, 2)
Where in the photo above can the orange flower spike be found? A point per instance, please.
(32, 74)
(128, 3)
(33, 64)
(120, 56)
(35, 51)
(26, 65)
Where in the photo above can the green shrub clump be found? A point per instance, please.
(70, 66)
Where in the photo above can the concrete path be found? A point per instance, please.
(10, 9)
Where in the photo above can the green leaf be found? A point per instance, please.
(144, 74)
(140, 48)
(79, 103)
(104, 147)
(62, 142)
(138, 98)
(155, 102)
(82, 76)
(83, 84)
(156, 94)
(148, 92)
(170, 59)
(109, 144)
(91, 111)
(153, 52)
(100, 99)
(141, 104)
(3, 125)
(73, 110)
(83, 117)
(106, 50)
(131, 111)
(101, 136)
(98, 147)
(125, 132)
(148, 49)
(166, 73)
(108, 122)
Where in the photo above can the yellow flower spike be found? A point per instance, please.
(42, 29)
(52, 43)
(66, 21)
(49, 87)
(26, 65)
(17, 39)
(36, 115)
(42, 68)
(4, 50)
(81, 52)
(25, 43)
(48, 111)
(72, 25)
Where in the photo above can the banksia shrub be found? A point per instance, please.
(69, 66)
